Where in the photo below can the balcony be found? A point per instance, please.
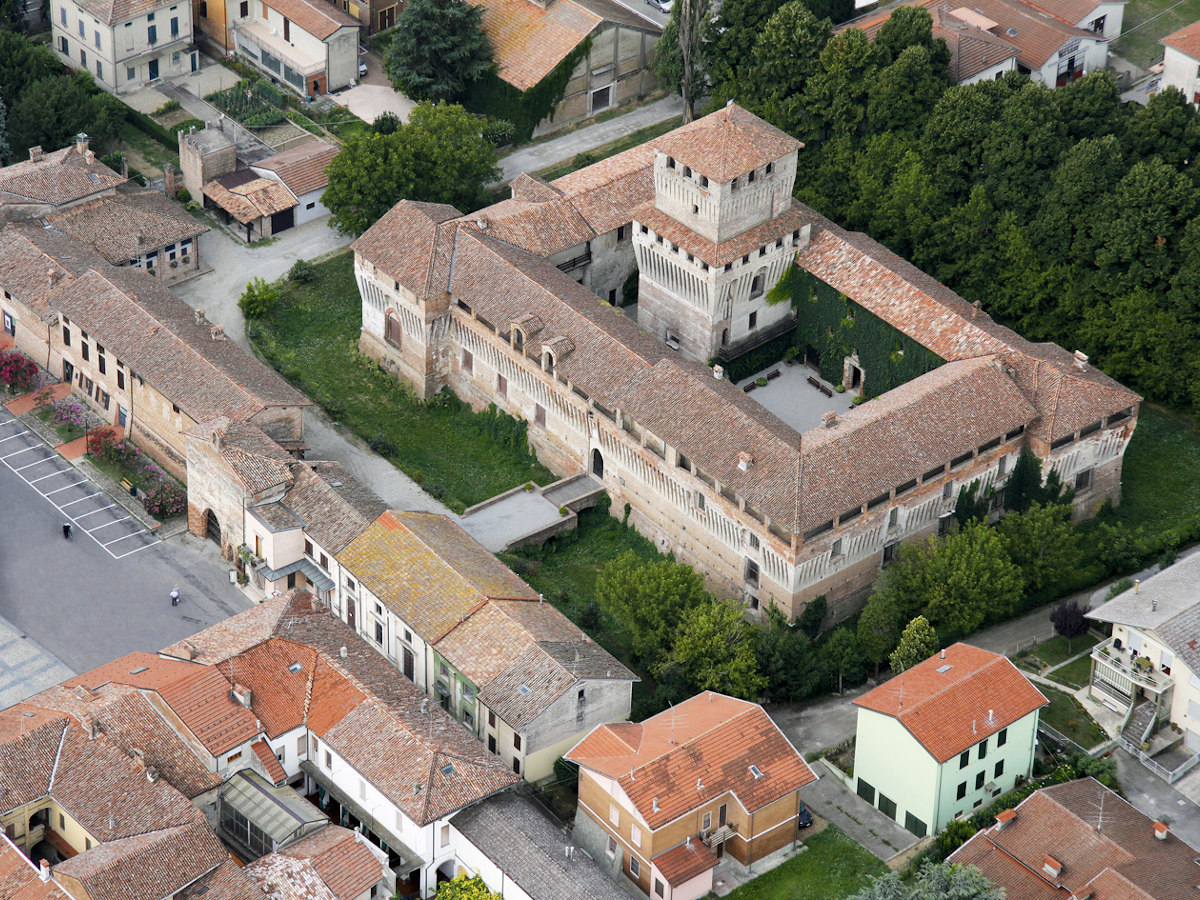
(1120, 665)
(261, 37)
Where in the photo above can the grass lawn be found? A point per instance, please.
(458, 456)
(66, 433)
(831, 868)
(1148, 20)
(1055, 650)
(348, 129)
(1161, 475)
(565, 572)
(1066, 716)
(613, 147)
(1075, 675)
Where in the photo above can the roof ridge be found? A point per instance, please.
(949, 685)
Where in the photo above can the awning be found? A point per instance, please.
(306, 566)
(277, 811)
(409, 860)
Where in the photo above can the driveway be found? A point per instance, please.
(374, 94)
(1175, 805)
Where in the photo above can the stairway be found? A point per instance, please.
(1139, 724)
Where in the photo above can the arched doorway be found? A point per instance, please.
(597, 464)
(212, 527)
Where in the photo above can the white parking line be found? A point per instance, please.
(123, 537)
(131, 552)
(11, 436)
(22, 450)
(31, 465)
(94, 511)
(51, 475)
(106, 524)
(76, 484)
(73, 502)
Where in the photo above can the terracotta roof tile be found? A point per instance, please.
(234, 635)
(35, 261)
(334, 505)
(950, 703)
(693, 752)
(58, 178)
(252, 199)
(408, 244)
(1073, 12)
(302, 169)
(128, 224)
(31, 738)
(685, 862)
(1185, 40)
(269, 761)
(319, 19)
(428, 570)
(529, 41)
(19, 877)
(147, 326)
(226, 882)
(279, 696)
(341, 859)
(747, 242)
(1107, 849)
(203, 703)
(726, 144)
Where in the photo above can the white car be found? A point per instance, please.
(663, 6)
(362, 69)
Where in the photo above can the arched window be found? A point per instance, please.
(548, 362)
(757, 284)
(391, 329)
(518, 339)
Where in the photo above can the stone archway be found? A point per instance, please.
(598, 464)
(212, 527)
(852, 374)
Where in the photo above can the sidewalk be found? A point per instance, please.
(561, 149)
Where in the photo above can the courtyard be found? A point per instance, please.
(796, 394)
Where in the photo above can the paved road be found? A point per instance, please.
(25, 666)
(86, 605)
(570, 145)
(1159, 800)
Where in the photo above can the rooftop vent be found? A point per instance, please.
(240, 694)
(745, 461)
(152, 774)
(1011, 32)
(942, 670)
(342, 653)
(199, 316)
(829, 419)
(719, 373)
(1005, 818)
(448, 769)
(1051, 867)
(654, 804)
(1081, 359)
(44, 866)
(756, 772)
(1161, 830)
(139, 670)
(524, 690)
(35, 153)
(217, 332)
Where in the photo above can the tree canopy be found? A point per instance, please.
(650, 597)
(439, 50)
(934, 881)
(440, 156)
(464, 888)
(917, 643)
(713, 650)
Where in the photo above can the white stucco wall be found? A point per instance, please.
(1182, 72)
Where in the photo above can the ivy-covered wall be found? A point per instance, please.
(492, 96)
(837, 327)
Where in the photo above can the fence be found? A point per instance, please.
(1170, 776)
(1061, 739)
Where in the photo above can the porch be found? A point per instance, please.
(1122, 680)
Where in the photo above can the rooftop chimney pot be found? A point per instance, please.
(35, 153)
(44, 870)
(829, 419)
(1161, 830)
(1081, 359)
(343, 652)
(719, 373)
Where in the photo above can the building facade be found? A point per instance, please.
(943, 738)
(1181, 62)
(124, 46)
(770, 511)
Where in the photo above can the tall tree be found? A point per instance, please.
(787, 659)
(1091, 107)
(905, 92)
(1165, 127)
(787, 51)
(837, 93)
(439, 50)
(918, 642)
(811, 618)
(650, 597)
(693, 17)
(878, 629)
(440, 156)
(5, 150)
(52, 111)
(1042, 542)
(734, 35)
(1022, 147)
(841, 654)
(713, 650)
(1070, 620)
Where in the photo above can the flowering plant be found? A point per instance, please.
(69, 412)
(17, 370)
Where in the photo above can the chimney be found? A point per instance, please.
(35, 153)
(829, 419)
(170, 180)
(152, 774)
(482, 223)
(92, 726)
(975, 308)
(719, 373)
(241, 694)
(1005, 818)
(942, 655)
(199, 316)
(138, 756)
(991, 717)
(90, 156)
(1161, 830)
(1051, 867)
(1154, 604)
(81, 143)
(217, 332)
(188, 650)
(44, 870)
(140, 239)
(1081, 360)
(745, 461)
(342, 652)
(82, 692)
(52, 276)
(654, 804)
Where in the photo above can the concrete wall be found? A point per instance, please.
(342, 58)
(200, 163)
(568, 719)
(213, 486)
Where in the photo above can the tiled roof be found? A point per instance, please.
(1072, 12)
(688, 755)
(428, 570)
(131, 868)
(232, 636)
(146, 325)
(508, 646)
(408, 244)
(744, 243)
(226, 882)
(341, 859)
(114, 11)
(528, 41)
(971, 50)
(203, 704)
(35, 261)
(279, 696)
(128, 224)
(1185, 40)
(1108, 849)
(31, 739)
(955, 699)
(511, 828)
(281, 877)
(321, 20)
(19, 877)
(257, 461)
(334, 505)
(250, 200)
(1037, 35)
(302, 169)
(269, 761)
(58, 178)
(685, 862)
(726, 144)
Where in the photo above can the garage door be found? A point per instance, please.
(1192, 740)
(282, 221)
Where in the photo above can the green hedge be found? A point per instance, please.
(144, 123)
(760, 357)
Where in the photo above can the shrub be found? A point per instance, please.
(761, 381)
(167, 107)
(258, 299)
(183, 195)
(499, 132)
(68, 411)
(386, 123)
(18, 371)
(165, 500)
(302, 271)
(187, 125)
(381, 445)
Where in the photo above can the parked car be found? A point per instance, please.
(804, 817)
(663, 6)
(362, 68)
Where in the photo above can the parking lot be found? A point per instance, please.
(105, 592)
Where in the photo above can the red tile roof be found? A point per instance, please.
(202, 702)
(341, 859)
(321, 20)
(727, 143)
(19, 877)
(685, 862)
(696, 751)
(270, 762)
(1107, 849)
(302, 169)
(1185, 40)
(953, 701)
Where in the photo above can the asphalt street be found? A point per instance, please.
(84, 605)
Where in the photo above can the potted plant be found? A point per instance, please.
(186, 260)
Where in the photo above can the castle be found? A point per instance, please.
(777, 488)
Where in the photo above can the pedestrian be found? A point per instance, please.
(67, 530)
(175, 596)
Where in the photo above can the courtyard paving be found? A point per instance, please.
(374, 94)
(791, 396)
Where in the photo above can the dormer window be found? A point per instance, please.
(670, 162)
(750, 177)
(703, 181)
(770, 168)
(518, 339)
(548, 362)
(687, 171)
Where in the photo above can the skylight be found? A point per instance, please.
(448, 769)
(756, 772)
(523, 690)
(139, 670)
(295, 667)
(942, 670)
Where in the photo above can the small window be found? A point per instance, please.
(751, 573)
(85, 351)
(979, 780)
(753, 321)
(175, 408)
(468, 362)
(756, 287)
(66, 336)
(328, 760)
(659, 889)
(835, 549)
(894, 517)
(1002, 737)
(614, 814)
(982, 748)
(444, 836)
(502, 386)
(635, 835)
(962, 791)
(707, 821)
(1083, 481)
(964, 758)
(244, 8)
(102, 363)
(324, 562)
(350, 585)
(622, 232)
(391, 329)
(539, 415)
(770, 168)
(62, 821)
(999, 769)
(233, 757)
(308, 548)
(635, 867)
(516, 742)
(612, 847)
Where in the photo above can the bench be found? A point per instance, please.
(128, 485)
(820, 387)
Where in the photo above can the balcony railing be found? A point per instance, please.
(1139, 670)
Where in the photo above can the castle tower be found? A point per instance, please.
(721, 231)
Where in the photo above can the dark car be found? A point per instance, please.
(803, 818)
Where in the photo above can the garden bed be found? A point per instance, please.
(124, 464)
(831, 867)
(1067, 716)
(67, 417)
(1074, 675)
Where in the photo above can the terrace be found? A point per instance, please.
(796, 394)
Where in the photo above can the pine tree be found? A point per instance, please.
(440, 50)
